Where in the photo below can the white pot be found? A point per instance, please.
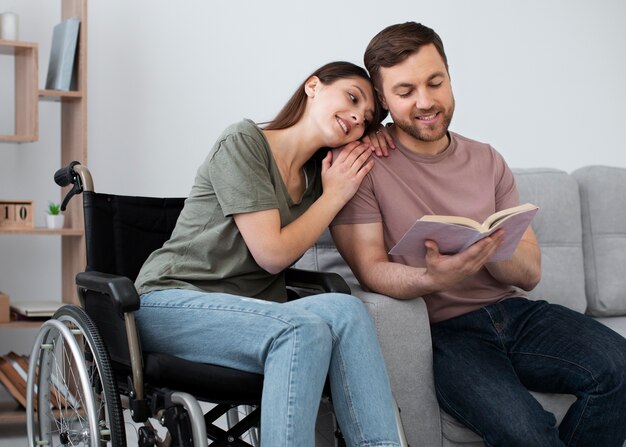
(55, 222)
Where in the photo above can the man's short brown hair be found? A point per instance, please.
(395, 44)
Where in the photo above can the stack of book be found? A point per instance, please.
(14, 376)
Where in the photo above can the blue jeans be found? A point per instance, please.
(296, 345)
(486, 361)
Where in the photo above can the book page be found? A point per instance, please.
(499, 216)
(456, 220)
(453, 239)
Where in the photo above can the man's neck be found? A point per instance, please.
(419, 146)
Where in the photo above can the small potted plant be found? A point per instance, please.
(54, 218)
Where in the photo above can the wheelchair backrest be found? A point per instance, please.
(120, 233)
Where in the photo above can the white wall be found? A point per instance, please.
(541, 80)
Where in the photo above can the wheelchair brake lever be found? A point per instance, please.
(76, 189)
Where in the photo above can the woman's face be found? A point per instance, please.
(342, 110)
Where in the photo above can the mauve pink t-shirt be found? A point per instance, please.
(467, 179)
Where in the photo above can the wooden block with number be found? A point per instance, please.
(16, 214)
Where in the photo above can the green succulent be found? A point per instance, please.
(54, 208)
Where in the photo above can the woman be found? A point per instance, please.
(256, 206)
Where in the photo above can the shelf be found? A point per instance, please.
(12, 413)
(18, 138)
(26, 55)
(44, 231)
(14, 46)
(22, 324)
(59, 95)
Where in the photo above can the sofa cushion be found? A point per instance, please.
(558, 229)
(455, 433)
(602, 197)
(618, 323)
(325, 257)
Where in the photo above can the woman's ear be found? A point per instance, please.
(310, 86)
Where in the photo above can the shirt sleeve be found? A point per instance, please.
(506, 189)
(362, 208)
(240, 174)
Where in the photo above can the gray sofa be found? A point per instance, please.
(581, 227)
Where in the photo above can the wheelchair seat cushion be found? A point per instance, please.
(215, 383)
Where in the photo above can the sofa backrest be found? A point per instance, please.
(558, 229)
(603, 205)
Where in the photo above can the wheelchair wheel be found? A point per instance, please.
(72, 397)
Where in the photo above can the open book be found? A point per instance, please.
(454, 234)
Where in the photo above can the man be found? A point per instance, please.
(491, 344)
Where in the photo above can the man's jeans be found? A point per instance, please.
(295, 345)
(486, 360)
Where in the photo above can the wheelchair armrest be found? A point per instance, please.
(321, 281)
(120, 288)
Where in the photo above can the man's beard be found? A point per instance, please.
(429, 134)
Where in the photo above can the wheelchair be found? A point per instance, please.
(87, 366)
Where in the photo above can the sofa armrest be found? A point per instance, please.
(404, 335)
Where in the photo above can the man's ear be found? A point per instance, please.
(310, 86)
(381, 98)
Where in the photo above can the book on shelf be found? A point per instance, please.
(25, 310)
(63, 55)
(14, 377)
(454, 234)
(20, 365)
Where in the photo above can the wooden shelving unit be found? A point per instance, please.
(73, 144)
(73, 132)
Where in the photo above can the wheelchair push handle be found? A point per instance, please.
(65, 175)
(76, 175)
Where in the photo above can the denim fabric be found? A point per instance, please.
(486, 361)
(295, 345)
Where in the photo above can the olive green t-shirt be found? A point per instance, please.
(206, 250)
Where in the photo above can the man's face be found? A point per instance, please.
(418, 95)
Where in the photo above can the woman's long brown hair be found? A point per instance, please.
(327, 74)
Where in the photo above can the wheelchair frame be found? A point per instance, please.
(90, 384)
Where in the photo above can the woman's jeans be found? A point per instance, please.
(296, 345)
(486, 360)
